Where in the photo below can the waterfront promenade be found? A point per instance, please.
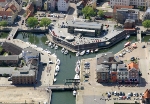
(96, 92)
(35, 94)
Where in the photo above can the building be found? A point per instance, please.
(129, 2)
(46, 6)
(4, 3)
(29, 10)
(85, 28)
(17, 4)
(8, 14)
(146, 15)
(113, 73)
(91, 3)
(122, 73)
(146, 97)
(129, 23)
(133, 72)
(106, 67)
(37, 3)
(9, 60)
(124, 13)
(11, 48)
(51, 5)
(63, 5)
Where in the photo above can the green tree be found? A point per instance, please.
(146, 24)
(45, 22)
(88, 11)
(100, 13)
(3, 23)
(32, 22)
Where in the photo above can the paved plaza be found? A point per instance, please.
(92, 88)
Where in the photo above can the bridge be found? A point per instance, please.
(62, 87)
(12, 33)
(72, 81)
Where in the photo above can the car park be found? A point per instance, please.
(120, 93)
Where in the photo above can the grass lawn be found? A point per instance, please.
(3, 35)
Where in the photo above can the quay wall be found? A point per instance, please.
(100, 45)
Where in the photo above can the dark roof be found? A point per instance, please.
(121, 6)
(9, 57)
(122, 67)
(12, 48)
(103, 68)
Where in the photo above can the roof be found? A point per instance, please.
(2, 0)
(9, 57)
(128, 10)
(148, 9)
(121, 6)
(121, 67)
(7, 70)
(13, 8)
(5, 13)
(106, 57)
(12, 48)
(30, 6)
(102, 68)
(133, 65)
(91, 25)
(30, 52)
(147, 94)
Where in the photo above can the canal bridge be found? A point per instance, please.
(12, 33)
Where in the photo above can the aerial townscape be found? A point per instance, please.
(75, 51)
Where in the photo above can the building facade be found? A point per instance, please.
(63, 5)
(133, 72)
(130, 2)
(9, 60)
(122, 73)
(146, 15)
(146, 97)
(29, 10)
(51, 5)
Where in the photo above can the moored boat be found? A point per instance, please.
(76, 76)
(78, 53)
(58, 62)
(127, 44)
(49, 44)
(77, 69)
(52, 46)
(55, 79)
(74, 93)
(91, 50)
(66, 52)
(88, 51)
(62, 50)
(127, 37)
(82, 53)
(57, 68)
(56, 47)
(96, 50)
(55, 74)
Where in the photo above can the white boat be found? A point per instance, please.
(78, 63)
(87, 51)
(52, 46)
(55, 74)
(74, 93)
(92, 51)
(82, 53)
(78, 53)
(127, 44)
(58, 62)
(127, 37)
(62, 50)
(56, 47)
(55, 79)
(96, 50)
(49, 44)
(76, 76)
(57, 68)
(77, 69)
(66, 52)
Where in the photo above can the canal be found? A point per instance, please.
(67, 64)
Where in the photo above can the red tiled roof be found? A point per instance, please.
(121, 6)
(133, 65)
(5, 13)
(13, 8)
(146, 94)
(2, 0)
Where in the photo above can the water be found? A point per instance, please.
(68, 65)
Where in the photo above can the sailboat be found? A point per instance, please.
(78, 53)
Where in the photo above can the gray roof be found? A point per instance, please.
(121, 67)
(7, 70)
(126, 9)
(91, 25)
(9, 57)
(114, 67)
(103, 68)
(31, 52)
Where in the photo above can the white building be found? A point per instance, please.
(130, 3)
(122, 73)
(51, 5)
(63, 5)
(146, 15)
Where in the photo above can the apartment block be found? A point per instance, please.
(146, 15)
(63, 5)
